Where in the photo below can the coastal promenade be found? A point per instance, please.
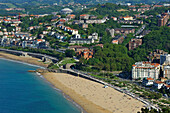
(84, 75)
(36, 55)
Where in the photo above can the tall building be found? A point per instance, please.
(145, 70)
(164, 59)
(166, 71)
(163, 20)
(134, 43)
(154, 56)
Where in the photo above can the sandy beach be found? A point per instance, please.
(92, 96)
(29, 60)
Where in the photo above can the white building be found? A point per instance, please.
(93, 36)
(66, 11)
(128, 18)
(78, 40)
(81, 41)
(145, 69)
(1, 33)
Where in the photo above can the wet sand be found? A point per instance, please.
(29, 60)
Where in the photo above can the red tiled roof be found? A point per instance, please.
(127, 17)
(168, 86)
(115, 41)
(158, 5)
(6, 20)
(159, 82)
(71, 15)
(83, 15)
(133, 6)
(150, 79)
(62, 20)
(58, 15)
(39, 40)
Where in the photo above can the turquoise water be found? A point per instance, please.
(24, 92)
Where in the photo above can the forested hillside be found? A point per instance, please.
(116, 57)
(157, 39)
(78, 1)
(109, 9)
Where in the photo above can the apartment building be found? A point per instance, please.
(163, 19)
(145, 70)
(134, 43)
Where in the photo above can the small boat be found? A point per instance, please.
(31, 71)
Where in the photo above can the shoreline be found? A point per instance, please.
(64, 95)
(5, 56)
(84, 104)
(26, 60)
(92, 96)
(18, 61)
(80, 100)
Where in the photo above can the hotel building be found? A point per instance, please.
(145, 70)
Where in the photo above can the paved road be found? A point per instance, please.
(58, 50)
(140, 30)
(29, 53)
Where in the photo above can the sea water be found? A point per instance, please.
(24, 92)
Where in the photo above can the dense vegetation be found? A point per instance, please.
(116, 57)
(78, 1)
(156, 11)
(27, 22)
(153, 21)
(109, 9)
(29, 8)
(157, 39)
(98, 28)
(146, 110)
(111, 57)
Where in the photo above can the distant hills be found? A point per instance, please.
(38, 2)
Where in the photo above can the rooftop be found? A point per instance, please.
(145, 65)
(66, 9)
(159, 82)
(150, 79)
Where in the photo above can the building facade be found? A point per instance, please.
(166, 71)
(124, 30)
(134, 43)
(163, 20)
(118, 39)
(145, 70)
(164, 59)
(154, 56)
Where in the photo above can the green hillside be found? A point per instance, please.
(78, 1)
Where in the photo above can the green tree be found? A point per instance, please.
(70, 53)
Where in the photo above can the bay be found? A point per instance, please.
(24, 92)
